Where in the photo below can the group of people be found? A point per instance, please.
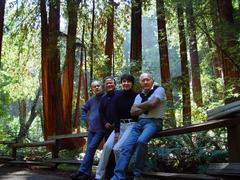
(127, 120)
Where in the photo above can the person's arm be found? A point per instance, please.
(101, 112)
(84, 111)
(149, 104)
(136, 111)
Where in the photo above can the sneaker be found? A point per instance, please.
(76, 175)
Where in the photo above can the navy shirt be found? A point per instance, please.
(90, 113)
(107, 107)
(124, 103)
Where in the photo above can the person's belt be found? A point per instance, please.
(127, 120)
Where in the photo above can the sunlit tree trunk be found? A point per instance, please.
(109, 41)
(136, 38)
(55, 99)
(22, 108)
(2, 9)
(24, 123)
(68, 72)
(92, 39)
(49, 126)
(164, 60)
(193, 50)
(184, 68)
(80, 77)
(231, 70)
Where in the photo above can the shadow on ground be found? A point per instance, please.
(31, 173)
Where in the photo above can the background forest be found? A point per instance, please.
(50, 50)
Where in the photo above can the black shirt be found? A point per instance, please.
(124, 103)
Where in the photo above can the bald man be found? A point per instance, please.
(90, 114)
(149, 107)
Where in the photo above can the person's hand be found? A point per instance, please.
(116, 137)
(108, 126)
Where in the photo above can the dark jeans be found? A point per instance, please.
(94, 138)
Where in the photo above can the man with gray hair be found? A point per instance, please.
(149, 107)
(90, 114)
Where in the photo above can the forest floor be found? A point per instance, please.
(31, 173)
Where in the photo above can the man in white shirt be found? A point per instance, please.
(149, 106)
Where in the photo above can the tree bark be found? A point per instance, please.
(184, 68)
(164, 60)
(2, 10)
(217, 57)
(68, 72)
(92, 41)
(55, 99)
(109, 41)
(193, 50)
(49, 126)
(136, 38)
(229, 43)
(76, 119)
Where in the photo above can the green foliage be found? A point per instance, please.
(190, 153)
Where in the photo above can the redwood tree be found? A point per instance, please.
(193, 50)
(136, 38)
(49, 126)
(164, 60)
(55, 105)
(68, 73)
(92, 39)
(229, 47)
(2, 9)
(184, 67)
(109, 40)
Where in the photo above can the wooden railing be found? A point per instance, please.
(230, 121)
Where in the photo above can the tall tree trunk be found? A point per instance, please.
(184, 68)
(109, 41)
(55, 98)
(85, 85)
(76, 119)
(92, 39)
(217, 57)
(68, 73)
(164, 60)
(2, 10)
(49, 126)
(136, 38)
(229, 43)
(193, 50)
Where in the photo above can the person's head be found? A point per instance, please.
(96, 87)
(127, 82)
(146, 81)
(109, 84)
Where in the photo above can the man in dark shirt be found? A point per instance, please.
(90, 114)
(108, 116)
(107, 105)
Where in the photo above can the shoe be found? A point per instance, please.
(76, 175)
(85, 177)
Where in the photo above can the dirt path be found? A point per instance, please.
(33, 173)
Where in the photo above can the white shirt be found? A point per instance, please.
(159, 110)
